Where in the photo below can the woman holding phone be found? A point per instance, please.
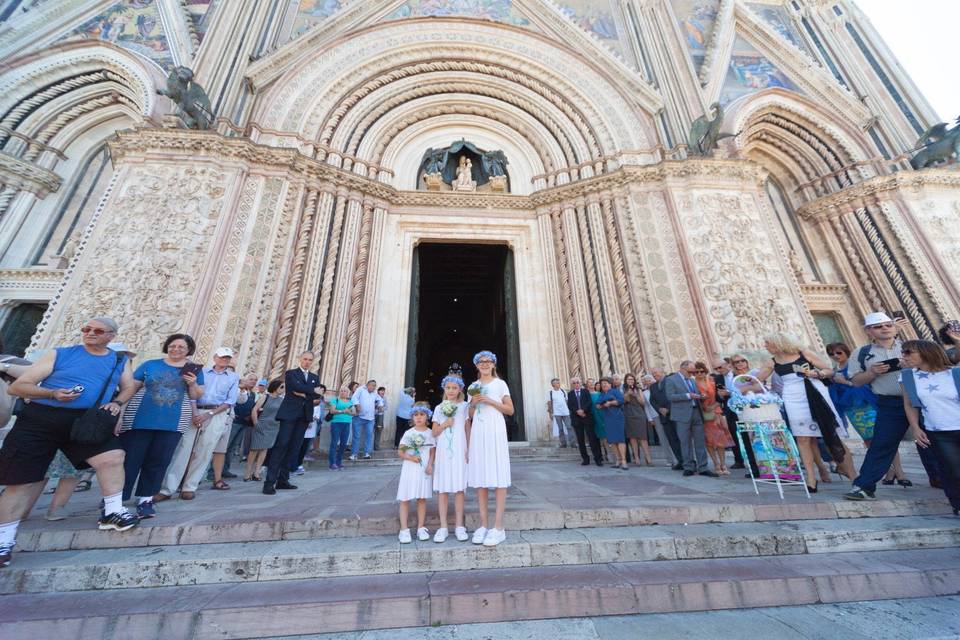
(156, 416)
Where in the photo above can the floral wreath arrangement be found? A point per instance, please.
(754, 406)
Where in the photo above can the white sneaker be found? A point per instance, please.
(423, 534)
(405, 536)
(461, 533)
(300, 471)
(479, 535)
(440, 535)
(494, 537)
(352, 458)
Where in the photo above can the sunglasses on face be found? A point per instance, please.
(739, 361)
(95, 331)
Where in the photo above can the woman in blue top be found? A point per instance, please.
(156, 416)
(610, 404)
(342, 410)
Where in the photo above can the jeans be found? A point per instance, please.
(565, 430)
(361, 425)
(237, 431)
(338, 442)
(147, 452)
(285, 450)
(946, 447)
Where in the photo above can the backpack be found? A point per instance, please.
(910, 385)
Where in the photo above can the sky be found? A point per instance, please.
(922, 35)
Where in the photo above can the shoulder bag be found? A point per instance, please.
(96, 425)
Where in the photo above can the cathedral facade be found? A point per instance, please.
(397, 184)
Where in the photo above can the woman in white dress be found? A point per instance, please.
(417, 451)
(810, 412)
(450, 468)
(488, 456)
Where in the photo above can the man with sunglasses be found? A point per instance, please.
(877, 364)
(60, 387)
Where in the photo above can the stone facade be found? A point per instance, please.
(292, 223)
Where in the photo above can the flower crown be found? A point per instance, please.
(421, 408)
(485, 354)
(456, 379)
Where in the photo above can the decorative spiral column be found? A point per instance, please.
(329, 271)
(593, 290)
(566, 303)
(630, 326)
(291, 296)
(356, 292)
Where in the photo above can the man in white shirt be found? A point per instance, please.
(558, 411)
(365, 399)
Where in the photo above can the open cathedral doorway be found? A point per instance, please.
(463, 299)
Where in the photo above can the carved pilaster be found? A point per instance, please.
(322, 313)
(595, 305)
(356, 293)
(334, 351)
(572, 233)
(609, 294)
(624, 292)
(566, 301)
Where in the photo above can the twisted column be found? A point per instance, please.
(356, 293)
(291, 297)
(329, 271)
(631, 328)
(566, 302)
(593, 288)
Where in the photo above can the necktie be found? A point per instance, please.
(578, 399)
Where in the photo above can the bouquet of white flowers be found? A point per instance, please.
(448, 408)
(475, 389)
(413, 443)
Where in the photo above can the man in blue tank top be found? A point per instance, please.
(59, 388)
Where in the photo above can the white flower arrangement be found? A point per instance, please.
(448, 408)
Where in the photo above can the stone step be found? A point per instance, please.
(245, 524)
(165, 566)
(292, 607)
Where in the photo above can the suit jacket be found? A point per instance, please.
(294, 407)
(658, 396)
(585, 404)
(681, 407)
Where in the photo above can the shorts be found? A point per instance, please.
(35, 438)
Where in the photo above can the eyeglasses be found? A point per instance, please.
(886, 325)
(701, 370)
(484, 361)
(907, 352)
(718, 368)
(838, 353)
(95, 331)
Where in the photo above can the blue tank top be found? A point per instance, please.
(75, 365)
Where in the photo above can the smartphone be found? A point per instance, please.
(893, 362)
(801, 368)
(78, 389)
(898, 315)
(191, 368)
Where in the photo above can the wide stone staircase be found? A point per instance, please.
(581, 542)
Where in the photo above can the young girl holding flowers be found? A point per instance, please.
(489, 455)
(417, 451)
(451, 428)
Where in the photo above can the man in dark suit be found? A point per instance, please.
(581, 415)
(660, 402)
(294, 415)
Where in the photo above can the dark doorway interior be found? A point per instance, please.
(19, 328)
(463, 300)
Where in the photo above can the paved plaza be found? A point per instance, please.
(582, 542)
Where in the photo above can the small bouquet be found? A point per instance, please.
(413, 444)
(752, 406)
(448, 408)
(475, 389)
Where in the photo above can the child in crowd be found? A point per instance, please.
(489, 466)
(451, 428)
(415, 481)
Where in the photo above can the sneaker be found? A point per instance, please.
(309, 458)
(423, 534)
(461, 533)
(300, 471)
(440, 535)
(6, 554)
(352, 458)
(145, 510)
(121, 521)
(366, 457)
(479, 535)
(405, 536)
(860, 494)
(494, 537)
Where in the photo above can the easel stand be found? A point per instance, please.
(764, 432)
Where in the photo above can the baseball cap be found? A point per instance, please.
(223, 352)
(262, 382)
(877, 317)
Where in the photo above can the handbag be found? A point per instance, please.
(96, 424)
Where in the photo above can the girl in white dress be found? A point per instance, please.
(417, 451)
(488, 458)
(450, 470)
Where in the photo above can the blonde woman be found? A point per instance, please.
(810, 413)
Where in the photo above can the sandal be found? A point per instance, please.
(220, 485)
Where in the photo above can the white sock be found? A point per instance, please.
(8, 532)
(142, 499)
(113, 504)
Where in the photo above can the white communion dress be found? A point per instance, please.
(450, 468)
(414, 481)
(489, 465)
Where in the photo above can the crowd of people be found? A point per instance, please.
(177, 422)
